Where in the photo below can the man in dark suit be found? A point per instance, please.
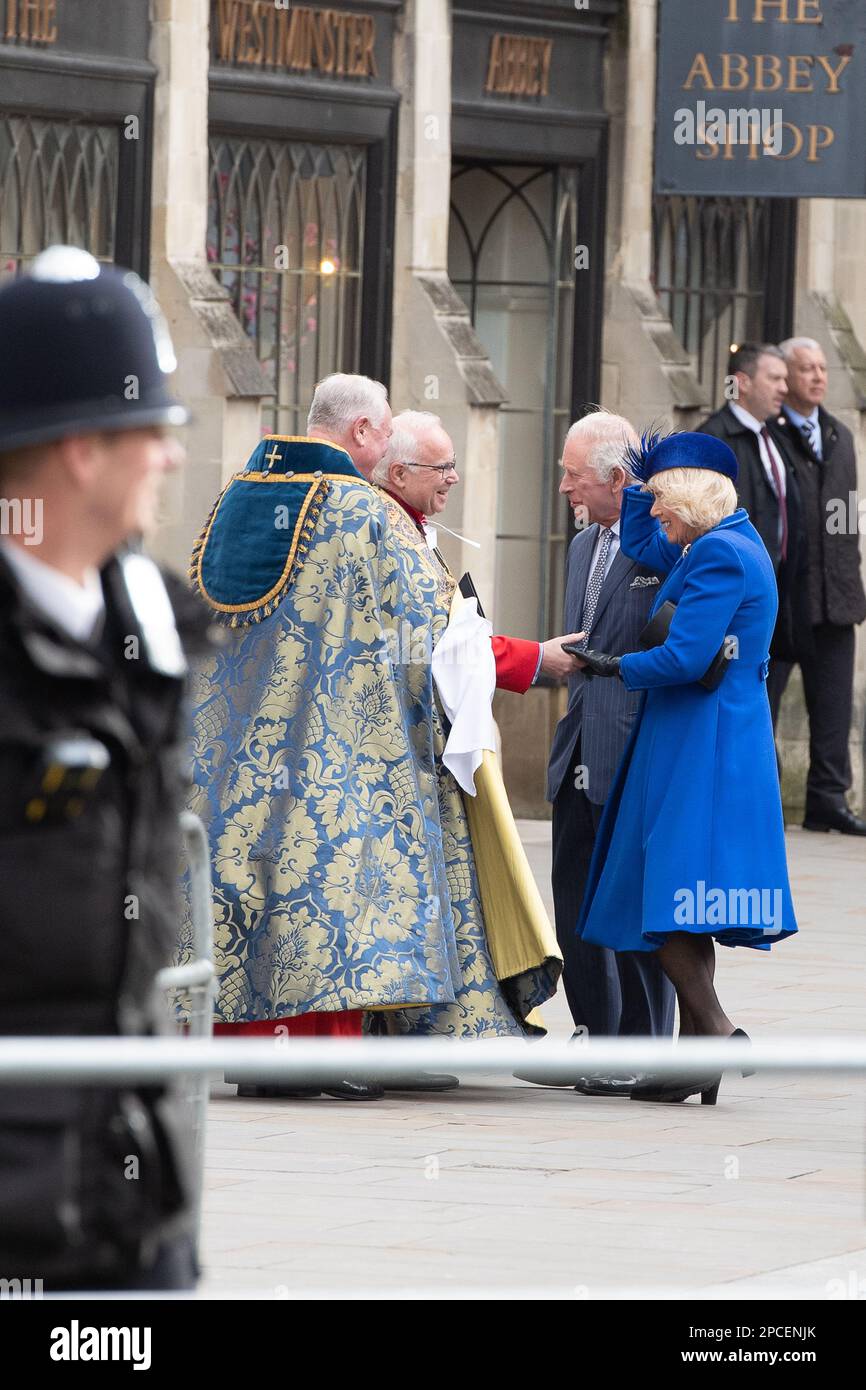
(825, 462)
(608, 598)
(767, 485)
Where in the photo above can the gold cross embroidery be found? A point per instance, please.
(274, 456)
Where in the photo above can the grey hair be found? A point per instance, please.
(607, 435)
(340, 398)
(793, 345)
(404, 446)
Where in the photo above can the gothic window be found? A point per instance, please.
(59, 182)
(285, 237)
(723, 271)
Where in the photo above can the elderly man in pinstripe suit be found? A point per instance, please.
(608, 598)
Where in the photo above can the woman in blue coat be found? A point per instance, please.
(691, 847)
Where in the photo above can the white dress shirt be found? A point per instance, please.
(75, 608)
(756, 426)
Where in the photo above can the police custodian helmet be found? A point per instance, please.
(83, 347)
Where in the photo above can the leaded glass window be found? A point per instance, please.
(58, 183)
(285, 237)
(712, 275)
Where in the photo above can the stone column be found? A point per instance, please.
(646, 373)
(438, 362)
(219, 377)
(831, 307)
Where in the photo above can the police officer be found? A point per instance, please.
(93, 1182)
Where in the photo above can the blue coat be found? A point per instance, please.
(692, 837)
(600, 713)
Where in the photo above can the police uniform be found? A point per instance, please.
(91, 784)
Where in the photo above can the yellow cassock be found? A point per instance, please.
(520, 936)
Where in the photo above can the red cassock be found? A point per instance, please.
(516, 663)
(340, 1025)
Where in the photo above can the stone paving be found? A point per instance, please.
(510, 1189)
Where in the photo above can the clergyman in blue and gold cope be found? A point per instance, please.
(314, 768)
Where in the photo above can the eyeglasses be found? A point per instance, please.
(441, 468)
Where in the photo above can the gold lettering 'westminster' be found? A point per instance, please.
(335, 43)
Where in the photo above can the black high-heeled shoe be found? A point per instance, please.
(673, 1090)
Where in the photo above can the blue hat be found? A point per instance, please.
(82, 347)
(658, 452)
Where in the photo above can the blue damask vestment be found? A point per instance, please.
(313, 765)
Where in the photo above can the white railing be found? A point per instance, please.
(302, 1061)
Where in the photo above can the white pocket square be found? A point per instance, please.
(644, 581)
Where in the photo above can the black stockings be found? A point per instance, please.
(689, 961)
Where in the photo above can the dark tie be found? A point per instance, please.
(593, 588)
(809, 429)
(777, 488)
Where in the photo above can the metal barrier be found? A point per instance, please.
(301, 1060)
(195, 979)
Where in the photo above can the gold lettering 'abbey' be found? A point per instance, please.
(336, 43)
(767, 72)
(518, 66)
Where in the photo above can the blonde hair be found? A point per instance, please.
(700, 497)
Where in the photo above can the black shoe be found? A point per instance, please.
(421, 1081)
(672, 1090)
(352, 1089)
(341, 1090)
(606, 1085)
(247, 1091)
(835, 818)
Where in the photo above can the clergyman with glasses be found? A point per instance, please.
(509, 958)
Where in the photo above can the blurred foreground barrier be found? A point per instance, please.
(76, 1060)
(192, 986)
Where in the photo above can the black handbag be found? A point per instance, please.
(655, 634)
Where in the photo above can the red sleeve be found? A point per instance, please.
(516, 663)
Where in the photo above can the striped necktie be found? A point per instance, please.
(812, 436)
(780, 493)
(593, 588)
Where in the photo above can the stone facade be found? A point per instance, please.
(218, 376)
(645, 372)
(647, 375)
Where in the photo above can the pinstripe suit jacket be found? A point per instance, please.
(601, 712)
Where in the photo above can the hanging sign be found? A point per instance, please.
(761, 97)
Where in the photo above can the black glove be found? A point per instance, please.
(600, 664)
